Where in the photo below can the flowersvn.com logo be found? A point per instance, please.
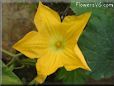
(94, 4)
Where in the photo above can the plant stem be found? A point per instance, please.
(11, 61)
(65, 12)
(19, 67)
(32, 82)
(7, 52)
(17, 55)
(12, 55)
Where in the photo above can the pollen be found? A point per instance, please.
(58, 44)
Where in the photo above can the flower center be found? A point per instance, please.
(58, 44)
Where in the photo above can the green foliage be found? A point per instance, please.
(96, 43)
(74, 77)
(8, 77)
(28, 61)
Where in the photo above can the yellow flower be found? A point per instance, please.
(55, 43)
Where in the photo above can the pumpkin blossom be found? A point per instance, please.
(55, 43)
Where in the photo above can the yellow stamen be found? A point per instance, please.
(58, 44)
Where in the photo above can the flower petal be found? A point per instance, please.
(46, 18)
(77, 24)
(32, 45)
(73, 61)
(40, 78)
(80, 56)
(48, 64)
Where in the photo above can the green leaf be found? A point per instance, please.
(96, 43)
(8, 77)
(75, 77)
(28, 61)
(97, 40)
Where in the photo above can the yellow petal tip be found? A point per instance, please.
(14, 46)
(40, 79)
(87, 68)
(40, 3)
